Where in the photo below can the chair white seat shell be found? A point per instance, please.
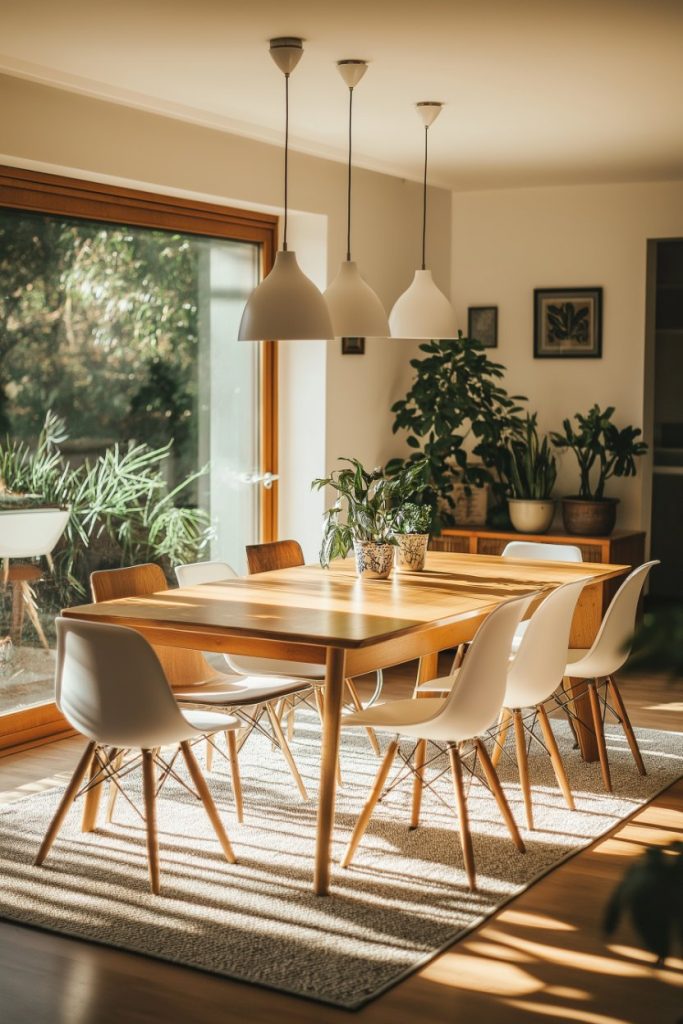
(469, 709)
(537, 551)
(609, 652)
(111, 688)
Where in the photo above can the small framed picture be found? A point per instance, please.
(567, 323)
(353, 346)
(482, 325)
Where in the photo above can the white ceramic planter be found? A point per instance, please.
(411, 551)
(531, 515)
(373, 561)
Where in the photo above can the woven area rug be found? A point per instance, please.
(403, 900)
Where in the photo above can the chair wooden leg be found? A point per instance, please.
(206, 798)
(599, 735)
(149, 785)
(366, 813)
(17, 612)
(620, 708)
(92, 798)
(357, 703)
(290, 719)
(504, 720)
(116, 762)
(497, 790)
(66, 802)
(235, 777)
(286, 752)
(418, 765)
(209, 754)
(464, 820)
(555, 757)
(30, 605)
(523, 765)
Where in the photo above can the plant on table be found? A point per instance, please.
(459, 419)
(532, 474)
(602, 451)
(365, 512)
(411, 530)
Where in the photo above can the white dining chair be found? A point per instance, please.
(197, 683)
(111, 688)
(538, 551)
(195, 573)
(462, 717)
(610, 651)
(28, 533)
(533, 676)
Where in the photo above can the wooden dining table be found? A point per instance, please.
(354, 626)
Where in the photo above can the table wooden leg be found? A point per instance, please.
(91, 800)
(334, 690)
(583, 727)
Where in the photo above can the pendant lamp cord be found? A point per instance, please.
(284, 235)
(348, 195)
(424, 205)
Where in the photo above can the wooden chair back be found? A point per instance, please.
(182, 667)
(278, 554)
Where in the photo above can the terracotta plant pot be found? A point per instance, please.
(411, 551)
(531, 515)
(589, 517)
(373, 561)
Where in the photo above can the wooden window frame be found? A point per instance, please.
(38, 192)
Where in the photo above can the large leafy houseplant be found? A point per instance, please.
(459, 419)
(602, 451)
(366, 506)
(122, 511)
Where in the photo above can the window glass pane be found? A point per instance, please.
(125, 337)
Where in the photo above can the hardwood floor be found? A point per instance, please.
(543, 957)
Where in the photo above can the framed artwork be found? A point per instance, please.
(482, 325)
(567, 323)
(353, 346)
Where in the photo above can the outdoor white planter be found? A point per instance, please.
(373, 561)
(411, 551)
(531, 515)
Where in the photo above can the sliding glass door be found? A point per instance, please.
(125, 394)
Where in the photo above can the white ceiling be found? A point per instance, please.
(537, 91)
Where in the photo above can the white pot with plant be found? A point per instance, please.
(364, 515)
(411, 532)
(532, 475)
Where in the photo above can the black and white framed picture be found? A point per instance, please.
(353, 346)
(482, 325)
(567, 323)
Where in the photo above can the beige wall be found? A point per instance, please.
(506, 243)
(331, 405)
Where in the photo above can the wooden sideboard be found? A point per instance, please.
(622, 547)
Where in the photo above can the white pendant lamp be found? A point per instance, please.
(423, 311)
(286, 305)
(356, 311)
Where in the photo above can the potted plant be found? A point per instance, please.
(364, 515)
(602, 451)
(460, 419)
(532, 474)
(411, 531)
